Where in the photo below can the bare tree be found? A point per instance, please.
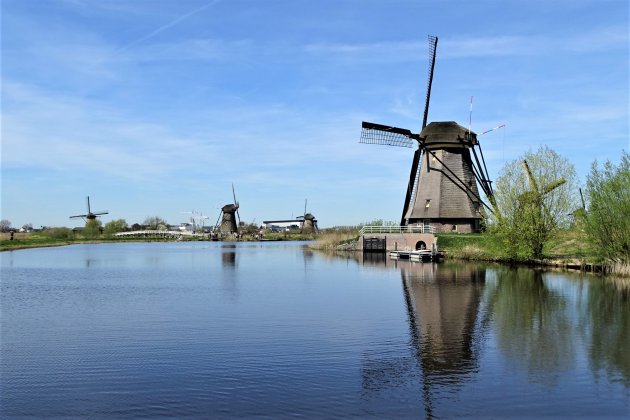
(5, 225)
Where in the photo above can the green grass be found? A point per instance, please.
(565, 245)
(569, 244)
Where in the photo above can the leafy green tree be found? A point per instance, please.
(534, 196)
(608, 215)
(115, 226)
(92, 228)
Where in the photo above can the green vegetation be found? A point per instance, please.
(114, 227)
(564, 245)
(92, 229)
(47, 237)
(608, 216)
(534, 196)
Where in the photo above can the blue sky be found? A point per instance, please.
(155, 107)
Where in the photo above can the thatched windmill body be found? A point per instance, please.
(442, 193)
(230, 218)
(310, 223)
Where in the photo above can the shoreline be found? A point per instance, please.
(565, 263)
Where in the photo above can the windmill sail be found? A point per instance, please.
(386, 136)
(414, 173)
(90, 215)
(433, 40)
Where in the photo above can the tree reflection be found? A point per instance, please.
(605, 324)
(531, 323)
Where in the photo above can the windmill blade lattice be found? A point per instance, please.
(433, 40)
(386, 136)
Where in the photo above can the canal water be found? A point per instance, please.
(210, 329)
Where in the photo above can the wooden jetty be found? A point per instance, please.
(420, 255)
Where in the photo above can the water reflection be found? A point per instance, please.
(442, 303)
(228, 257)
(540, 321)
(229, 273)
(532, 324)
(364, 336)
(605, 326)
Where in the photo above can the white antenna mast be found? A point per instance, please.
(470, 116)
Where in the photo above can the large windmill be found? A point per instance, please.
(229, 215)
(443, 192)
(90, 215)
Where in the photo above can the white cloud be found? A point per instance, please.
(456, 47)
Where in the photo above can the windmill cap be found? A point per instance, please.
(447, 134)
(228, 208)
(309, 216)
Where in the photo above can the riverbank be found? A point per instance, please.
(35, 240)
(569, 249)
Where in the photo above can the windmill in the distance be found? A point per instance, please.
(229, 216)
(443, 192)
(90, 215)
(534, 199)
(309, 222)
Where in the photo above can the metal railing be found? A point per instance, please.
(366, 230)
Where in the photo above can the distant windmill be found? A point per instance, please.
(534, 198)
(229, 215)
(443, 193)
(89, 215)
(309, 223)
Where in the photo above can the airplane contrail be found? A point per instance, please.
(165, 27)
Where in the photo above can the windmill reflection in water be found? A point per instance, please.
(443, 306)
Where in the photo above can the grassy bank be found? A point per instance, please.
(567, 248)
(335, 239)
(39, 240)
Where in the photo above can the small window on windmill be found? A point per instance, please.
(454, 228)
(427, 204)
(476, 205)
